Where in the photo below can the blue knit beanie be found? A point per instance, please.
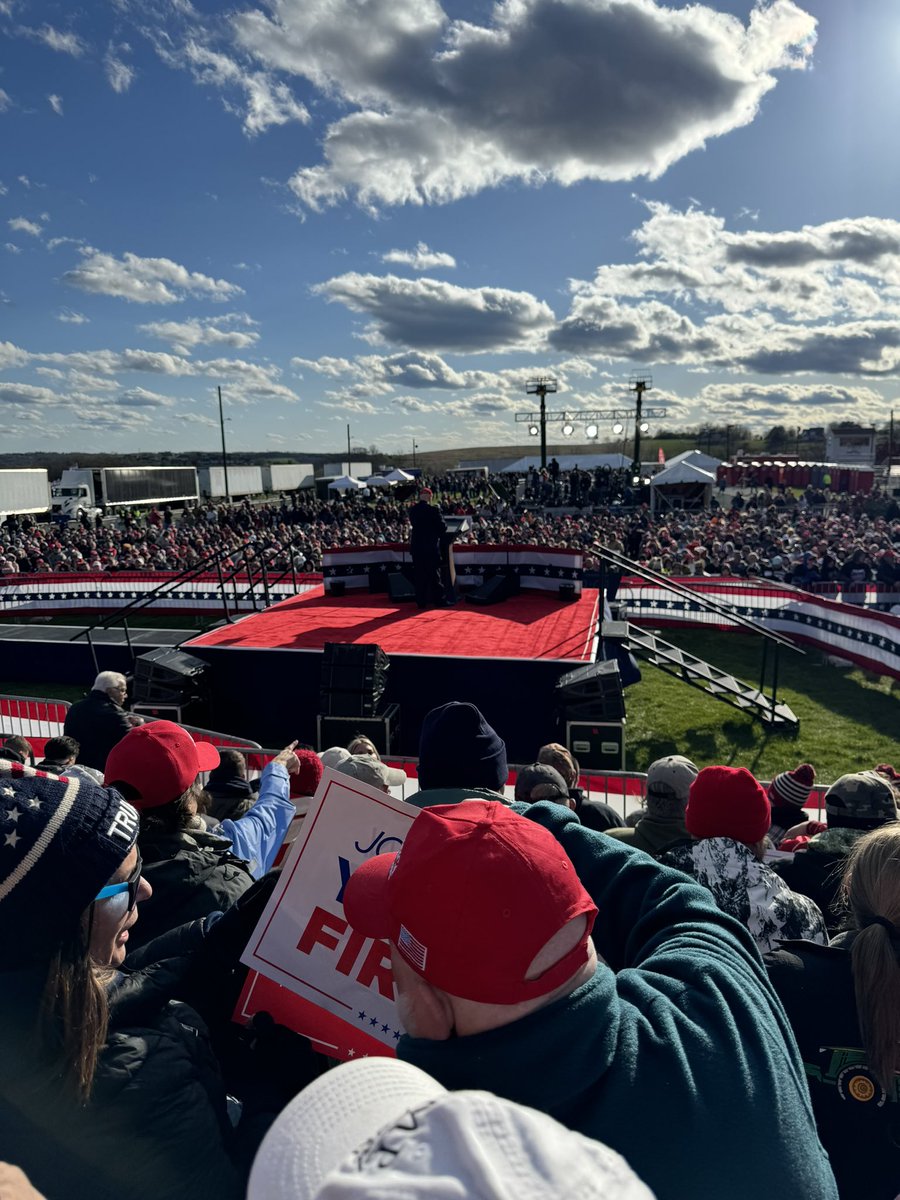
(60, 841)
(457, 748)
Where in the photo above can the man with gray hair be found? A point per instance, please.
(99, 721)
(669, 782)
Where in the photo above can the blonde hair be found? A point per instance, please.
(871, 888)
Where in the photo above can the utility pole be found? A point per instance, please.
(638, 384)
(349, 456)
(541, 387)
(415, 448)
(224, 453)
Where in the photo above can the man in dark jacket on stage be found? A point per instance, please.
(99, 721)
(425, 548)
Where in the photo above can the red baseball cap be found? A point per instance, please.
(160, 760)
(475, 892)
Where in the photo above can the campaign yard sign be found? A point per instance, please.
(303, 941)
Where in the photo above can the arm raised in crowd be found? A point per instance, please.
(257, 836)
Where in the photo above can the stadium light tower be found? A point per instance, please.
(639, 383)
(542, 386)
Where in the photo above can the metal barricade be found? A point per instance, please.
(32, 717)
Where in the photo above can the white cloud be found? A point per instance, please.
(55, 103)
(144, 280)
(184, 336)
(12, 248)
(428, 314)
(119, 74)
(819, 299)
(12, 356)
(444, 108)
(420, 259)
(3, 189)
(5, 100)
(23, 225)
(266, 101)
(138, 397)
(26, 393)
(65, 43)
(69, 317)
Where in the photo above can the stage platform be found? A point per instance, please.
(506, 658)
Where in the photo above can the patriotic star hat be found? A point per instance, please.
(61, 839)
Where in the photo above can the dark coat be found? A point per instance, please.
(817, 874)
(192, 875)
(859, 1126)
(427, 527)
(156, 1125)
(96, 723)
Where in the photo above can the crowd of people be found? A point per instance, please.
(767, 534)
(700, 1001)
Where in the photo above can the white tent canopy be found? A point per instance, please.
(380, 481)
(398, 476)
(585, 462)
(681, 485)
(346, 484)
(697, 459)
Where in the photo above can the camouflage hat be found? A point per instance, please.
(864, 800)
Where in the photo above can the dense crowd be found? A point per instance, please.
(767, 534)
(701, 1002)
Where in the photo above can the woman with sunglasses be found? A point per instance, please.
(108, 1087)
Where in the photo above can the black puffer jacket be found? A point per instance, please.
(156, 1125)
(192, 874)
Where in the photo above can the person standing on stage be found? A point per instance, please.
(425, 548)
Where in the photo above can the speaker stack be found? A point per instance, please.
(171, 685)
(495, 589)
(590, 709)
(351, 697)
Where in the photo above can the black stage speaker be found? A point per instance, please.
(353, 679)
(592, 693)
(399, 588)
(169, 676)
(383, 730)
(494, 590)
(598, 745)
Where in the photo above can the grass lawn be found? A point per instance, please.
(849, 720)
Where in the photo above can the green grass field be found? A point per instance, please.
(849, 720)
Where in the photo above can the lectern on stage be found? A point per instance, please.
(454, 527)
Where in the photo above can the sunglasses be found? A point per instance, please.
(129, 885)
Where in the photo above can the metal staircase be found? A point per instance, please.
(706, 677)
(695, 671)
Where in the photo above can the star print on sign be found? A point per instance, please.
(12, 838)
(13, 815)
(7, 791)
(32, 803)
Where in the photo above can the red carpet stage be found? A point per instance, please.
(506, 658)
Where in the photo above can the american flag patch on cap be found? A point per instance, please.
(412, 949)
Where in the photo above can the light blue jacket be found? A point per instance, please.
(258, 834)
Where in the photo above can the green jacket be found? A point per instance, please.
(652, 834)
(676, 1053)
(432, 797)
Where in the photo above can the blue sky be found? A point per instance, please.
(393, 213)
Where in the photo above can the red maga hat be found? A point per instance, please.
(475, 892)
(160, 760)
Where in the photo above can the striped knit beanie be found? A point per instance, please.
(60, 841)
(793, 787)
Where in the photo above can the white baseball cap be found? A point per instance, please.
(334, 756)
(371, 770)
(381, 1128)
(674, 772)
